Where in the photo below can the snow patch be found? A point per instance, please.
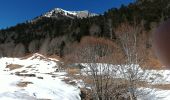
(43, 84)
(70, 14)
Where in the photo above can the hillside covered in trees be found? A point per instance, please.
(53, 35)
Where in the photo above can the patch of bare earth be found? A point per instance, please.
(13, 66)
(24, 75)
(23, 84)
(29, 67)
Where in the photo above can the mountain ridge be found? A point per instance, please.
(71, 14)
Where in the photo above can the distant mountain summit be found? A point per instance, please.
(58, 12)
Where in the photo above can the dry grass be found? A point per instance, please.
(154, 63)
(55, 57)
(13, 66)
(161, 86)
(23, 84)
(88, 80)
(29, 66)
(73, 71)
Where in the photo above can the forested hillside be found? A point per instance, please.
(52, 35)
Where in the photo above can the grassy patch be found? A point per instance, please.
(162, 86)
(73, 71)
(23, 84)
(13, 66)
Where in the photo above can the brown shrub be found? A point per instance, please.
(93, 49)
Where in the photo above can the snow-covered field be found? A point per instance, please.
(122, 71)
(38, 77)
(35, 77)
(154, 77)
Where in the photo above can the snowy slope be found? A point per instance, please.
(36, 78)
(71, 14)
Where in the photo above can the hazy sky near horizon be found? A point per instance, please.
(18, 11)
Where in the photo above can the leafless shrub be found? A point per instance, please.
(97, 56)
(112, 71)
(133, 69)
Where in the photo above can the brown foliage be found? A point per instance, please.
(73, 71)
(92, 49)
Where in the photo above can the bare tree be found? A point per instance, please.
(94, 29)
(112, 71)
(34, 46)
(44, 49)
(96, 54)
(19, 50)
(134, 51)
(110, 26)
(56, 45)
(7, 49)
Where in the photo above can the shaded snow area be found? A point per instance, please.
(33, 78)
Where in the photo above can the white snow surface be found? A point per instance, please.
(78, 14)
(157, 94)
(46, 84)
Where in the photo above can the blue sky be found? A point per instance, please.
(18, 11)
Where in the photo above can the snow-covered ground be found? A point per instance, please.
(35, 78)
(38, 77)
(154, 77)
(157, 94)
(122, 71)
